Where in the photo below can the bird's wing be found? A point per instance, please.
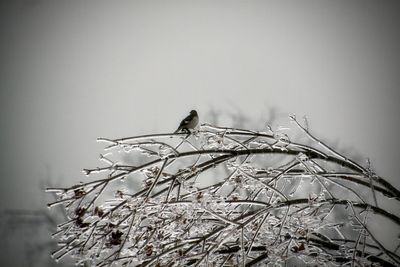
(186, 120)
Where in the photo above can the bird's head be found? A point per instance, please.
(193, 112)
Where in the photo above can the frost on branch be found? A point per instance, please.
(227, 197)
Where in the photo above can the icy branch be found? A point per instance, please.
(225, 197)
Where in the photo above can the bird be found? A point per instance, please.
(190, 122)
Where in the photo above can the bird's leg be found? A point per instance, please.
(187, 131)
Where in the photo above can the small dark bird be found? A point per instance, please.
(189, 123)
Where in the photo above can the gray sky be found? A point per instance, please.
(72, 71)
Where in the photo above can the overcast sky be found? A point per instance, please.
(72, 71)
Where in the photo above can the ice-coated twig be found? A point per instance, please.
(222, 196)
